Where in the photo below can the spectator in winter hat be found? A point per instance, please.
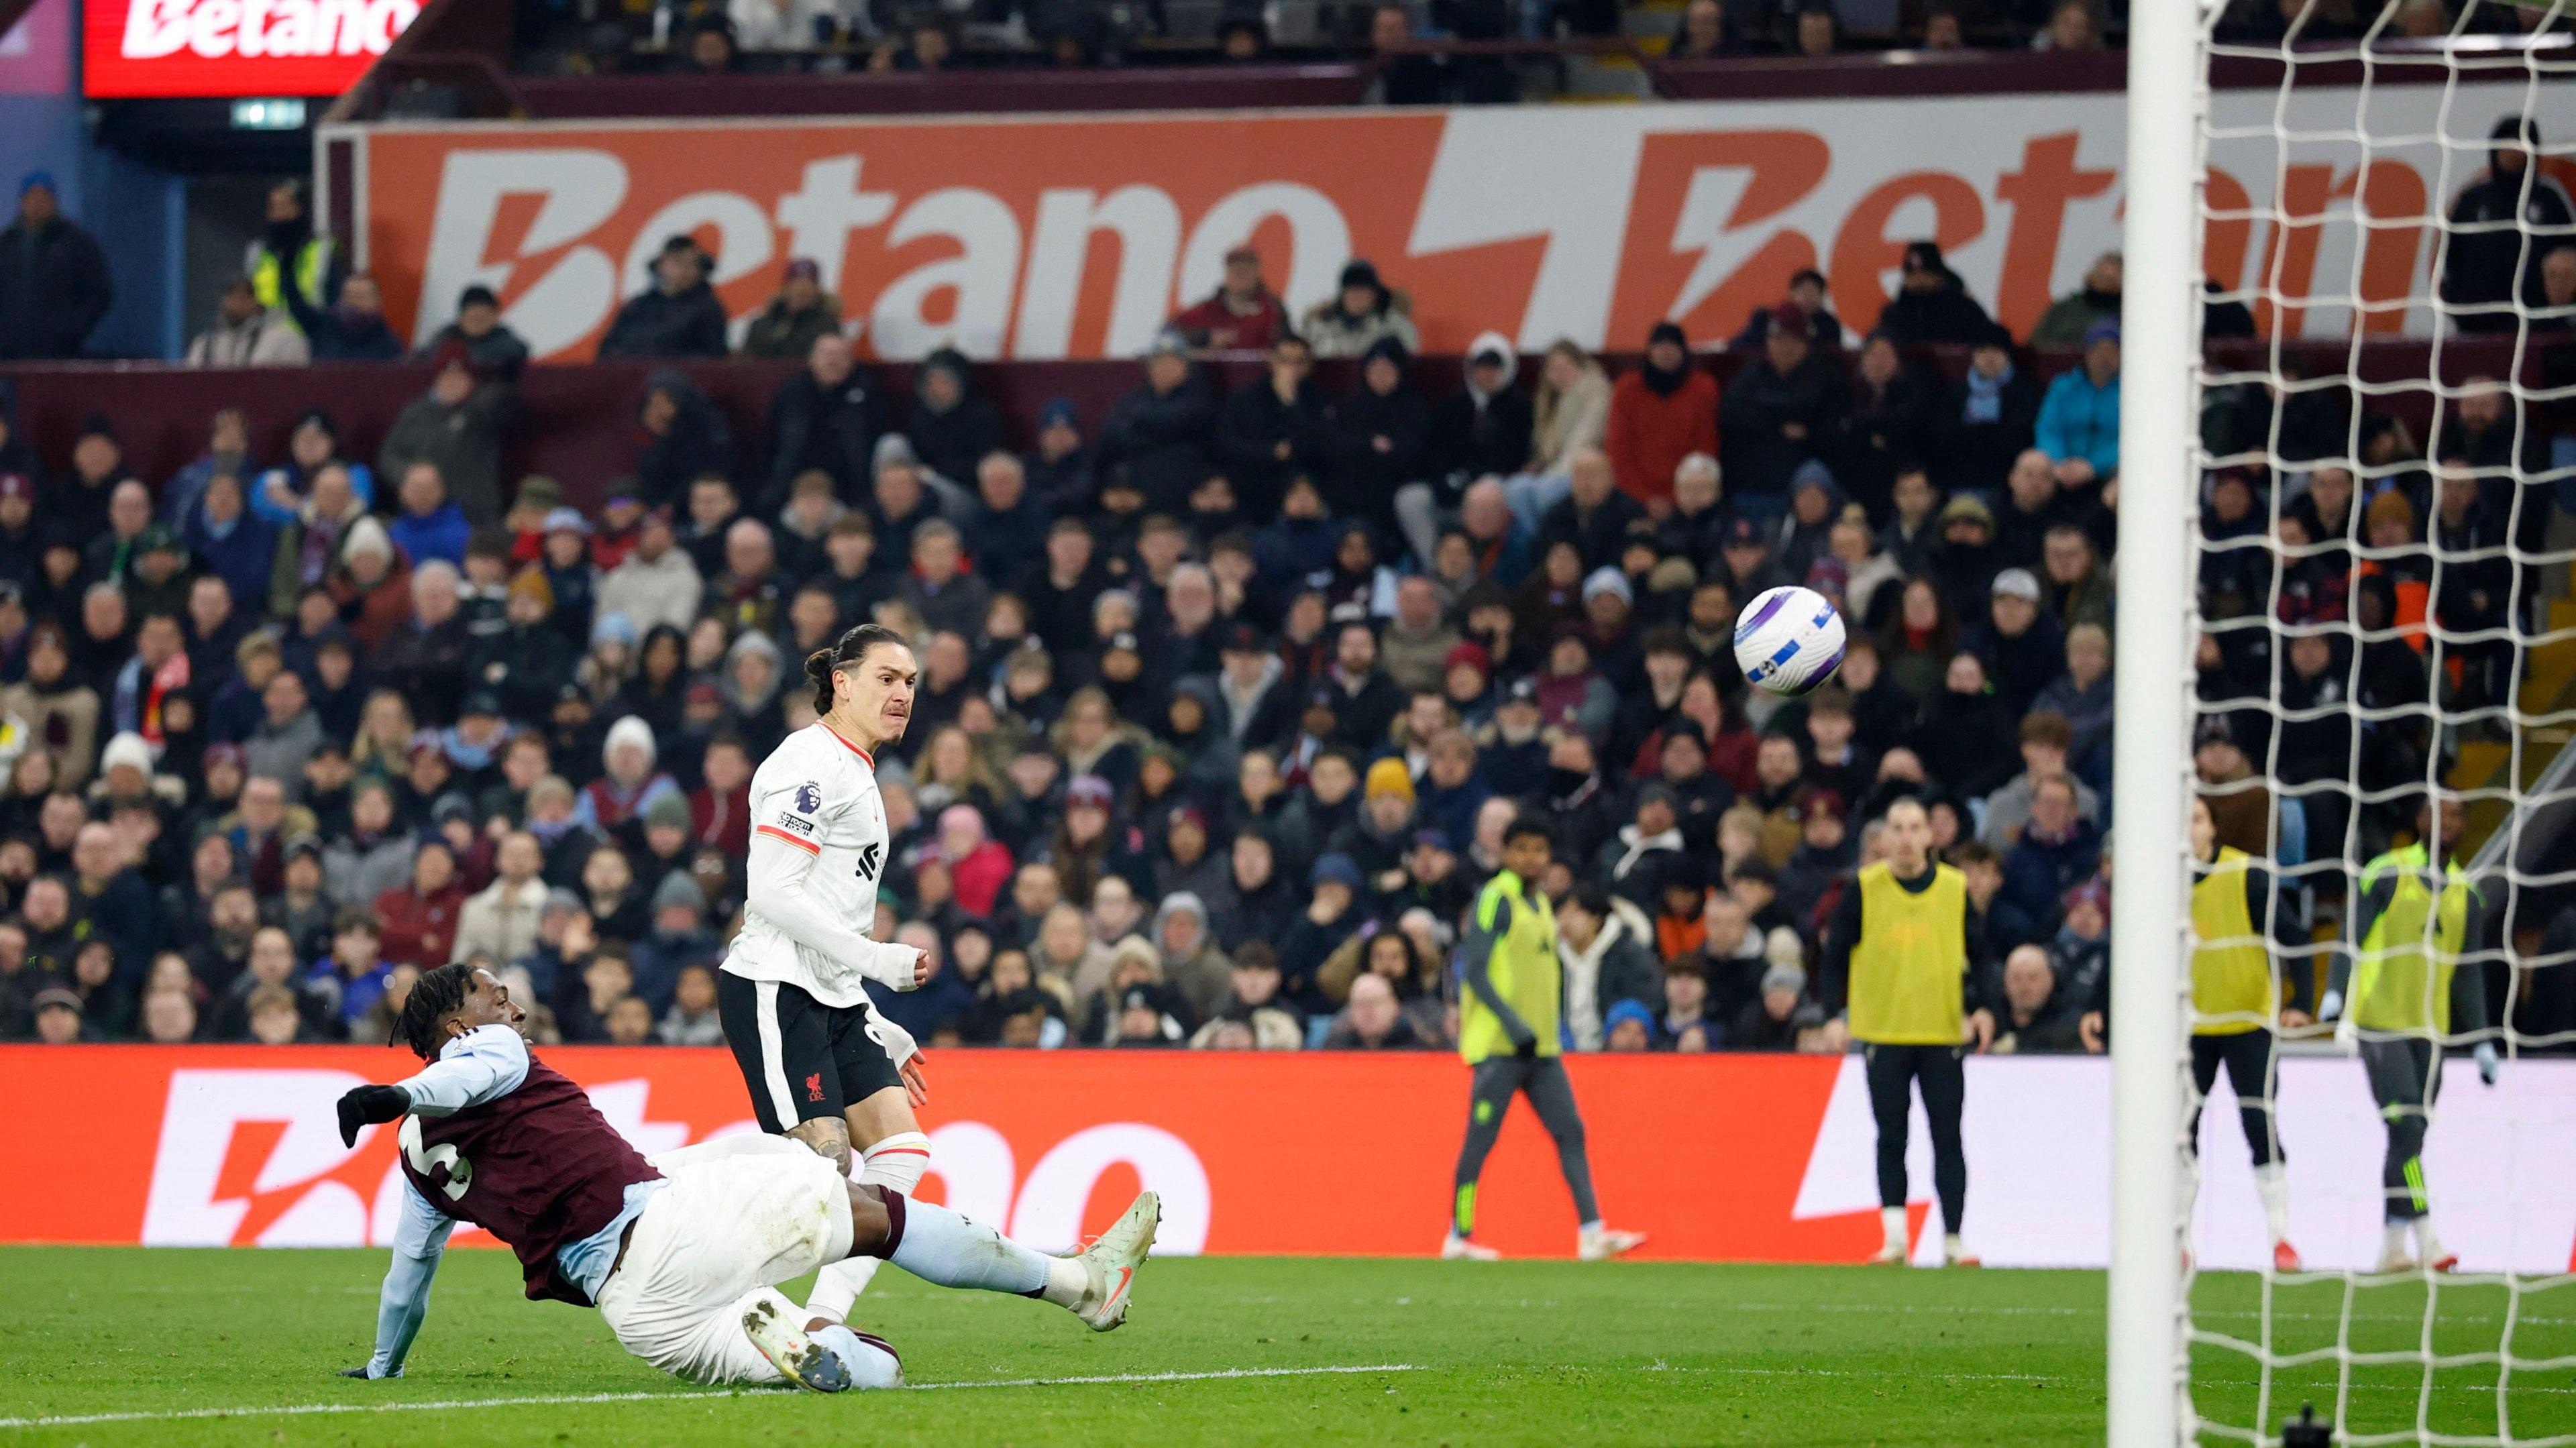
(801, 314)
(629, 782)
(1360, 313)
(1931, 303)
(1779, 412)
(679, 316)
(2023, 644)
(1660, 412)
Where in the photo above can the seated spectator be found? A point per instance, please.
(1685, 1022)
(1405, 78)
(1629, 1027)
(1569, 413)
(2071, 317)
(2046, 741)
(952, 425)
(1965, 738)
(1818, 33)
(1379, 441)
(2059, 849)
(246, 334)
(1373, 1021)
(1660, 413)
(2021, 644)
(2079, 420)
(692, 1019)
(711, 51)
(1931, 303)
(1807, 289)
(1888, 426)
(2072, 26)
(488, 345)
(430, 525)
(1593, 516)
(1778, 414)
(1360, 314)
(1607, 949)
(1780, 1017)
(1157, 437)
(1987, 419)
(1242, 315)
(1704, 34)
(1267, 434)
(352, 329)
(679, 317)
(2035, 1019)
(802, 313)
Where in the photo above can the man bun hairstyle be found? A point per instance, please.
(437, 995)
(852, 648)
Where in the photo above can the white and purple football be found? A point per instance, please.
(1789, 640)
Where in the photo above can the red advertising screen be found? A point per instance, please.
(234, 47)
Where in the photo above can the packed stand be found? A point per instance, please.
(1226, 696)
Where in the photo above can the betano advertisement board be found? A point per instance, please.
(1052, 237)
(1720, 1158)
(224, 48)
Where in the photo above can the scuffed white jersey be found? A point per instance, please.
(818, 851)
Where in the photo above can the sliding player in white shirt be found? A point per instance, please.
(823, 1066)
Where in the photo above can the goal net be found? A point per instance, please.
(2350, 402)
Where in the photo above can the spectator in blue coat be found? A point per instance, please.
(2079, 419)
(2058, 851)
(430, 526)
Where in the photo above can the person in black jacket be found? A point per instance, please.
(1931, 303)
(1593, 515)
(1890, 416)
(1987, 419)
(1268, 432)
(2490, 269)
(352, 331)
(1381, 437)
(952, 426)
(1481, 430)
(823, 417)
(1779, 412)
(53, 278)
(1159, 432)
(684, 437)
(679, 317)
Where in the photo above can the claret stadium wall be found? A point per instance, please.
(1739, 1158)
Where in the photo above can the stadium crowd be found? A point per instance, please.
(1225, 699)
(707, 37)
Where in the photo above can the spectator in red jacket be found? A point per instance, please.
(1659, 414)
(978, 865)
(419, 919)
(1244, 315)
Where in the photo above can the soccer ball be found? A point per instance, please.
(1789, 640)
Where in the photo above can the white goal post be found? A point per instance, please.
(2159, 497)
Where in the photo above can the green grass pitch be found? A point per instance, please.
(1223, 1350)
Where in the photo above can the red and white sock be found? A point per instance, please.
(897, 1164)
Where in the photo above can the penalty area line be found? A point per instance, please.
(450, 1405)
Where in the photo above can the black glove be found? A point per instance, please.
(367, 1104)
(1527, 1050)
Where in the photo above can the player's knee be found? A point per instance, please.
(828, 1137)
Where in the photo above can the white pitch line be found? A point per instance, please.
(298, 1410)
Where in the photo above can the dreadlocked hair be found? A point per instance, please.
(437, 995)
(850, 650)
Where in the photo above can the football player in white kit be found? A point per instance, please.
(823, 1066)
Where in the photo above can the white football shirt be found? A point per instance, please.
(818, 851)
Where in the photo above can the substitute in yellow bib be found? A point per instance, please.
(1903, 962)
(1508, 1031)
(2409, 983)
(2248, 982)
